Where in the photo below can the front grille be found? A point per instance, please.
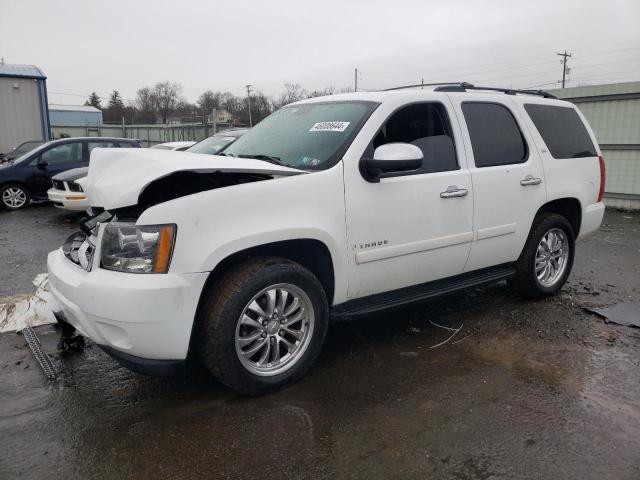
(58, 185)
(74, 187)
(79, 250)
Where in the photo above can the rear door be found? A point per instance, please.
(507, 176)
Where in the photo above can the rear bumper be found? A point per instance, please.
(76, 201)
(143, 317)
(145, 365)
(591, 220)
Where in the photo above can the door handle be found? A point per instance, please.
(452, 191)
(530, 180)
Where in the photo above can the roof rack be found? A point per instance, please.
(465, 86)
(457, 84)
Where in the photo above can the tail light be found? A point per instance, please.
(603, 177)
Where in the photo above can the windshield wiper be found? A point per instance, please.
(266, 158)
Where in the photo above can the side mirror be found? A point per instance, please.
(391, 158)
(42, 163)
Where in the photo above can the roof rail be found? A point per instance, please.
(453, 84)
(463, 87)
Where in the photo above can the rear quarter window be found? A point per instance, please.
(562, 130)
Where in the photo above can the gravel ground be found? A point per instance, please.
(531, 389)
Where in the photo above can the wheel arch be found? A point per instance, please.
(568, 207)
(311, 253)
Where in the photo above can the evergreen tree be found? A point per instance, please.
(94, 101)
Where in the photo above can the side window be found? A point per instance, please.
(496, 138)
(425, 125)
(67, 153)
(92, 145)
(562, 130)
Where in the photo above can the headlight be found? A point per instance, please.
(137, 249)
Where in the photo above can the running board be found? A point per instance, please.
(418, 293)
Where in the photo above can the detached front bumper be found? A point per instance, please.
(76, 201)
(139, 319)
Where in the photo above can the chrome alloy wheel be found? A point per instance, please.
(274, 329)
(551, 257)
(14, 197)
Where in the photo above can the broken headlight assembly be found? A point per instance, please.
(137, 248)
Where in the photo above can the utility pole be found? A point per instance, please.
(356, 81)
(249, 103)
(565, 69)
(422, 84)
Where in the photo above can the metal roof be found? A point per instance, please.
(624, 88)
(73, 108)
(23, 71)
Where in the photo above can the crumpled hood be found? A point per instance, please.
(117, 176)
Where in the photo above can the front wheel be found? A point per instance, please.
(262, 325)
(14, 196)
(547, 258)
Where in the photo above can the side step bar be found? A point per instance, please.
(418, 293)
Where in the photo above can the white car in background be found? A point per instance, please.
(69, 190)
(178, 146)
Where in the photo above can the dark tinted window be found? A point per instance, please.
(562, 130)
(425, 125)
(495, 136)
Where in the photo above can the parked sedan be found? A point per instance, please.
(28, 177)
(218, 142)
(178, 146)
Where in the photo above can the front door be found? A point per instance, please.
(51, 162)
(413, 227)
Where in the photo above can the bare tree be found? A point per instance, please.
(145, 106)
(292, 93)
(208, 101)
(166, 96)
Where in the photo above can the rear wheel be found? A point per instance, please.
(262, 325)
(14, 196)
(547, 258)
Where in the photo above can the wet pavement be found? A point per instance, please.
(529, 390)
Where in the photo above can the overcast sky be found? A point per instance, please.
(84, 46)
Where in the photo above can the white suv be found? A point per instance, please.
(332, 206)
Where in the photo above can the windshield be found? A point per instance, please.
(303, 136)
(31, 153)
(26, 147)
(211, 145)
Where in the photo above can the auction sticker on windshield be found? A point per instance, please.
(329, 127)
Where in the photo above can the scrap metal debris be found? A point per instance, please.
(626, 314)
(34, 310)
(41, 356)
(454, 330)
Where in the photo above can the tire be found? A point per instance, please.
(526, 280)
(224, 342)
(14, 196)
